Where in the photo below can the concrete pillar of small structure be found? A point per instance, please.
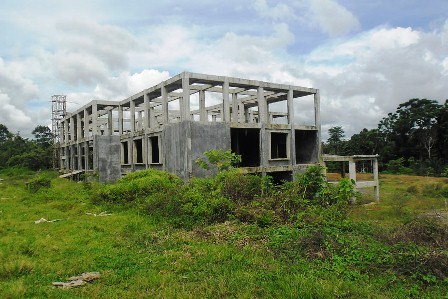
(120, 120)
(185, 100)
(86, 124)
(110, 123)
(202, 110)
(225, 101)
(214, 118)
(132, 109)
(165, 116)
(352, 169)
(234, 108)
(376, 179)
(262, 105)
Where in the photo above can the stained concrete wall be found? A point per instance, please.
(107, 158)
(186, 141)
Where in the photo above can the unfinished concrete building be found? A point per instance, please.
(274, 127)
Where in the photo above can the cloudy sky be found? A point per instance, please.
(366, 57)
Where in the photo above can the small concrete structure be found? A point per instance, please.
(169, 125)
(352, 170)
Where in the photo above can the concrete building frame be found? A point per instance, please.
(158, 128)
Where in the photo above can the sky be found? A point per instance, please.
(365, 56)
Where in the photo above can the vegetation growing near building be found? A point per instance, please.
(299, 240)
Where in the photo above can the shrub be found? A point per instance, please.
(222, 160)
(196, 203)
(242, 188)
(424, 230)
(139, 185)
(433, 190)
(38, 183)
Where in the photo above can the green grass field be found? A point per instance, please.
(143, 256)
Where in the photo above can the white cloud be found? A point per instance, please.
(16, 119)
(389, 65)
(332, 18)
(280, 11)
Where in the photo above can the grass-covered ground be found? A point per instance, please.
(253, 250)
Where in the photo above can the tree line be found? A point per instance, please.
(35, 154)
(412, 140)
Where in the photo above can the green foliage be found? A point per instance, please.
(335, 143)
(397, 167)
(16, 151)
(139, 185)
(39, 182)
(198, 247)
(222, 160)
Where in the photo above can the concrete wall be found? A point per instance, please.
(204, 137)
(106, 158)
(184, 142)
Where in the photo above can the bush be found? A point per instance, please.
(38, 183)
(197, 203)
(242, 188)
(433, 190)
(139, 185)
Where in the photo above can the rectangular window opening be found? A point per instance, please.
(278, 145)
(154, 143)
(138, 147)
(124, 153)
(246, 142)
(306, 146)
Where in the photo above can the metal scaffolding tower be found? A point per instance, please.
(58, 110)
(58, 103)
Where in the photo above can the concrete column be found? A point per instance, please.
(352, 169)
(86, 124)
(214, 118)
(185, 100)
(79, 149)
(262, 106)
(132, 108)
(79, 133)
(110, 124)
(140, 120)
(86, 155)
(241, 114)
(72, 128)
(376, 189)
(152, 118)
(146, 105)
(94, 118)
(317, 123)
(66, 140)
(202, 110)
(165, 116)
(290, 104)
(234, 107)
(225, 101)
(120, 120)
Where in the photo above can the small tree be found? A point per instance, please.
(222, 160)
